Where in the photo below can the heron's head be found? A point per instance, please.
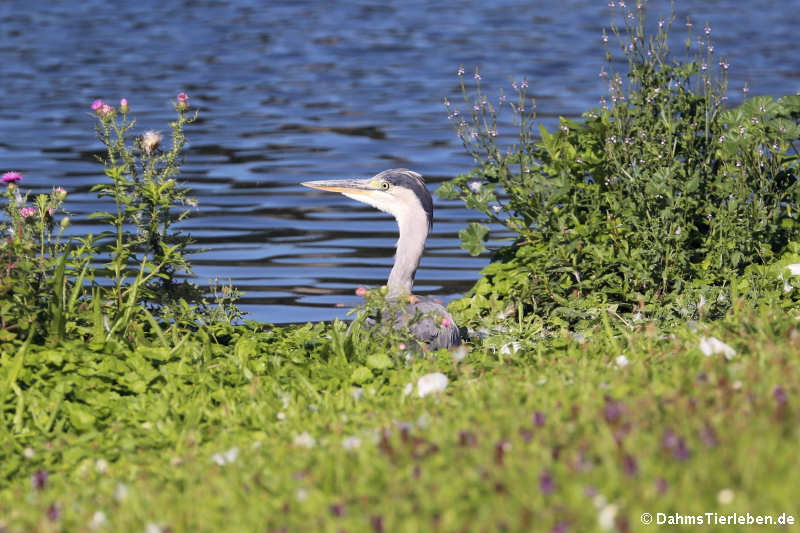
(398, 191)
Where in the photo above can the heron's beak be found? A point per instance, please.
(342, 186)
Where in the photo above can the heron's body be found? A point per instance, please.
(402, 193)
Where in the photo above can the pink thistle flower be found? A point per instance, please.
(11, 177)
(96, 105)
(59, 193)
(361, 291)
(51, 211)
(27, 212)
(182, 97)
(123, 105)
(446, 322)
(106, 109)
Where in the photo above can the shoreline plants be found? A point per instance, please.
(586, 401)
(662, 204)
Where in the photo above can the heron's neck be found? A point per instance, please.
(413, 232)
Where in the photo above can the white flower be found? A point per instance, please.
(712, 345)
(431, 383)
(301, 495)
(408, 389)
(621, 361)
(281, 416)
(120, 492)
(794, 269)
(152, 528)
(101, 465)
(304, 440)
(474, 186)
(226, 457)
(510, 348)
(98, 519)
(351, 443)
(606, 517)
(725, 496)
(356, 393)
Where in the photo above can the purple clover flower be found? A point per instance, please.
(539, 418)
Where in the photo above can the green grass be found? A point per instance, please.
(134, 433)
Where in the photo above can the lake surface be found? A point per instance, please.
(295, 91)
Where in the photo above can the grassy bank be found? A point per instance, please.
(267, 430)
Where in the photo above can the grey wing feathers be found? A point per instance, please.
(428, 327)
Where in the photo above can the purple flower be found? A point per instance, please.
(27, 212)
(539, 418)
(561, 527)
(377, 523)
(613, 410)
(338, 509)
(546, 483)
(675, 444)
(779, 393)
(708, 435)
(661, 485)
(460, 70)
(39, 480)
(97, 105)
(629, 465)
(123, 105)
(54, 512)
(11, 177)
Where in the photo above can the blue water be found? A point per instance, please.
(293, 91)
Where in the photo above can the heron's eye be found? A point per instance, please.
(385, 185)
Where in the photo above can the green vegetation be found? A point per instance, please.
(633, 351)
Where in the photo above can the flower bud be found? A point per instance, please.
(60, 194)
(183, 102)
(123, 105)
(64, 223)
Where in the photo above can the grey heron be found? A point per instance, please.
(402, 193)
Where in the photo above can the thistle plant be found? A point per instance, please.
(651, 203)
(148, 197)
(34, 256)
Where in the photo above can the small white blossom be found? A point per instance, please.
(510, 348)
(474, 186)
(794, 269)
(431, 383)
(226, 457)
(408, 389)
(621, 361)
(152, 528)
(304, 440)
(351, 443)
(725, 496)
(606, 517)
(712, 345)
(120, 492)
(301, 495)
(98, 520)
(101, 465)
